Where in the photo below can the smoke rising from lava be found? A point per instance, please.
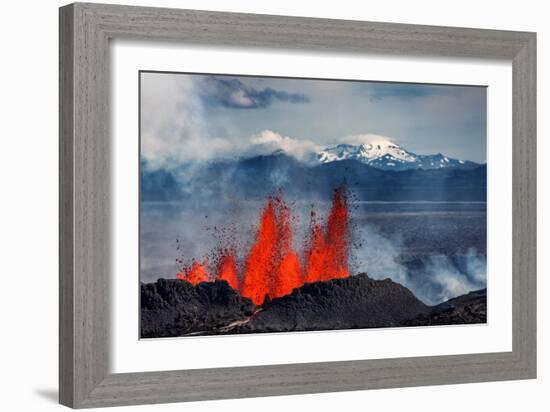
(433, 279)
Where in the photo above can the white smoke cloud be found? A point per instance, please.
(269, 141)
(173, 125)
(378, 256)
(175, 128)
(452, 281)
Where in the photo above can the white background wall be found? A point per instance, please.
(28, 211)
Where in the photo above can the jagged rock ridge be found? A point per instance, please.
(171, 307)
(176, 308)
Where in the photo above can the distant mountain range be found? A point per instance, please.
(374, 172)
(386, 155)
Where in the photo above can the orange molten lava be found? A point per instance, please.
(327, 256)
(195, 275)
(316, 255)
(260, 261)
(289, 276)
(272, 267)
(228, 271)
(336, 262)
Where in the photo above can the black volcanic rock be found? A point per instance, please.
(174, 307)
(466, 309)
(351, 303)
(177, 308)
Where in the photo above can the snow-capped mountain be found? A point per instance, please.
(387, 155)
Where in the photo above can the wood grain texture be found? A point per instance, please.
(85, 31)
(66, 228)
(524, 225)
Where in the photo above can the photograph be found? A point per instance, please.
(292, 204)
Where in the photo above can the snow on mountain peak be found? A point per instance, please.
(366, 152)
(383, 153)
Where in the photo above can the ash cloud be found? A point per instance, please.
(233, 94)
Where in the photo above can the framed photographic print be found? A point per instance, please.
(283, 202)
(257, 231)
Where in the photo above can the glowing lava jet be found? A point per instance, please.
(272, 268)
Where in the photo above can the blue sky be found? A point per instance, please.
(187, 117)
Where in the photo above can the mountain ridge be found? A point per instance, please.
(387, 155)
(261, 176)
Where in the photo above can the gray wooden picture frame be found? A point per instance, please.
(85, 32)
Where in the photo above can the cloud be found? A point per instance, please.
(173, 125)
(269, 141)
(365, 138)
(176, 129)
(232, 93)
(379, 91)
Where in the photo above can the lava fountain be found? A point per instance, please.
(227, 270)
(195, 274)
(272, 268)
